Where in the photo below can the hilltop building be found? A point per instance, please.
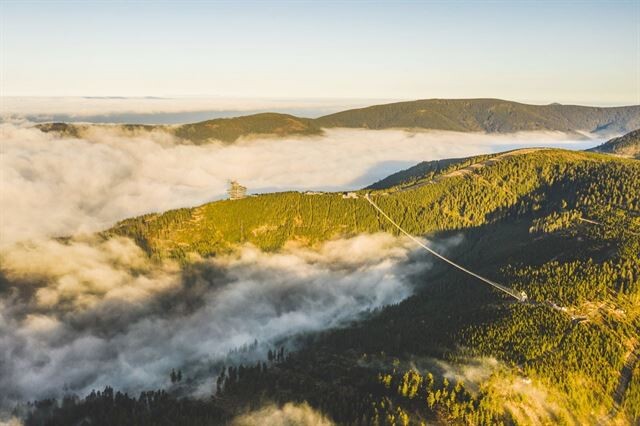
(236, 191)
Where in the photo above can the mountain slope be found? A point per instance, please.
(627, 145)
(422, 172)
(487, 115)
(471, 193)
(560, 225)
(231, 129)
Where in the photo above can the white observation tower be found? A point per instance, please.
(236, 191)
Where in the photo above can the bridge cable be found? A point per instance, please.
(520, 296)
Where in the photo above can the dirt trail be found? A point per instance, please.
(625, 374)
(593, 222)
(472, 167)
(633, 356)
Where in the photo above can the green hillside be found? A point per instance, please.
(627, 145)
(554, 366)
(487, 115)
(563, 226)
(231, 129)
(470, 193)
(422, 172)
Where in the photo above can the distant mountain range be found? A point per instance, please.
(488, 115)
(625, 146)
(460, 115)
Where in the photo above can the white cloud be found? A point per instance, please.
(85, 314)
(287, 415)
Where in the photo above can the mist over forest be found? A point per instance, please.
(267, 213)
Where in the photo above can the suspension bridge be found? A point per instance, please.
(521, 296)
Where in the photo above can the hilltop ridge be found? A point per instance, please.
(487, 115)
(626, 145)
(459, 115)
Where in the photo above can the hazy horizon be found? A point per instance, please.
(460, 249)
(522, 51)
(175, 110)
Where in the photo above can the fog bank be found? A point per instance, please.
(84, 314)
(53, 187)
(287, 415)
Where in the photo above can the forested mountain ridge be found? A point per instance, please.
(626, 145)
(487, 115)
(231, 129)
(563, 226)
(420, 171)
(484, 189)
(460, 115)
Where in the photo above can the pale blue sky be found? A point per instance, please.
(569, 52)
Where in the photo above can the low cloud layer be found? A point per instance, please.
(287, 415)
(53, 187)
(85, 314)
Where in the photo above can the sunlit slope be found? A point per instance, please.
(423, 172)
(487, 115)
(470, 194)
(627, 145)
(231, 129)
(569, 358)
